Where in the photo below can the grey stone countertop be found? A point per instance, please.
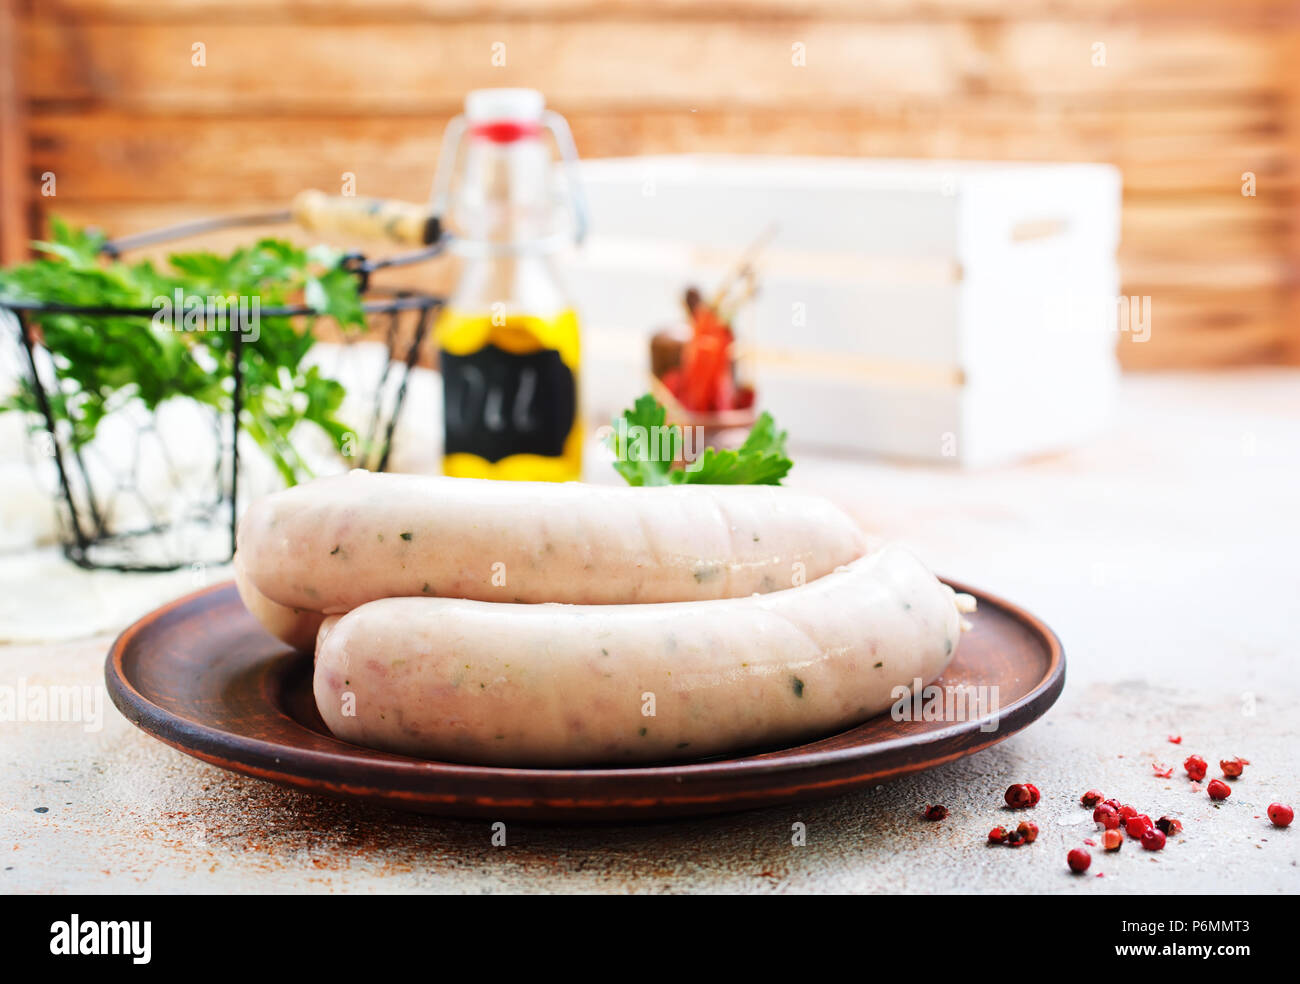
(1164, 555)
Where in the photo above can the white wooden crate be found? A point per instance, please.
(927, 310)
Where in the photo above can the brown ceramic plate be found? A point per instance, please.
(201, 675)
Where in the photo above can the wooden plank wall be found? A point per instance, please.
(293, 93)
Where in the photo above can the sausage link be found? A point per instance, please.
(340, 542)
(297, 627)
(564, 685)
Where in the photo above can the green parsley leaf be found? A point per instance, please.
(645, 448)
(105, 361)
(632, 438)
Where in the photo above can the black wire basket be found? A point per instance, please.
(111, 515)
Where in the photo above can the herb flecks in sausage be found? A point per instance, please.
(798, 687)
(405, 536)
(707, 572)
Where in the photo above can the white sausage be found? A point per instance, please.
(337, 543)
(561, 685)
(295, 626)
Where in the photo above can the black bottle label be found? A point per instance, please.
(497, 403)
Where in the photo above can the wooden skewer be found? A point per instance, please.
(734, 304)
(745, 265)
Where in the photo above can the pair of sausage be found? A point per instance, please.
(523, 624)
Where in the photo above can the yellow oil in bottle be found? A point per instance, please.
(510, 395)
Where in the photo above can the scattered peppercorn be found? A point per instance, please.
(1175, 739)
(1112, 840)
(1019, 797)
(1138, 825)
(1034, 794)
(1027, 830)
(1127, 811)
(998, 835)
(936, 812)
(1090, 798)
(1015, 838)
(1218, 789)
(1280, 814)
(1195, 766)
(1107, 816)
(1078, 860)
(1232, 767)
(1169, 825)
(1153, 840)
(1114, 804)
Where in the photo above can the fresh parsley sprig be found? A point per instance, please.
(104, 362)
(641, 436)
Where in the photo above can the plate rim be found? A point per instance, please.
(395, 777)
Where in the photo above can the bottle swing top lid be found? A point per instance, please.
(504, 116)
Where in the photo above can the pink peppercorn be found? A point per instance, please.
(1169, 825)
(1107, 816)
(1153, 840)
(1233, 767)
(1019, 796)
(1138, 825)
